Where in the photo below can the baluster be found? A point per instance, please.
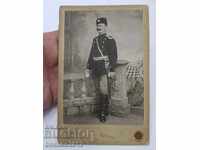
(83, 89)
(71, 90)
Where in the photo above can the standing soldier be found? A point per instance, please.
(101, 63)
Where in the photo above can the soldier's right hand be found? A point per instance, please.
(87, 73)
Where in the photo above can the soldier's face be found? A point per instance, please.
(101, 28)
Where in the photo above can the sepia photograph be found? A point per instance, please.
(103, 73)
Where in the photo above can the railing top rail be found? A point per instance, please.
(74, 76)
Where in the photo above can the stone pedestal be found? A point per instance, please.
(119, 105)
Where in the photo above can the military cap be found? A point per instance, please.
(101, 20)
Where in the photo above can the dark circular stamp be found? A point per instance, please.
(138, 135)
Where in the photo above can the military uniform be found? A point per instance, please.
(103, 46)
(108, 48)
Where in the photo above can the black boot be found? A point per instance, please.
(106, 105)
(104, 108)
(102, 117)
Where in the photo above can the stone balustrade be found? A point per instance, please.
(77, 104)
(79, 93)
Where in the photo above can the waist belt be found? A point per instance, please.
(105, 58)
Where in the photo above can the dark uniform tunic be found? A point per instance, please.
(108, 47)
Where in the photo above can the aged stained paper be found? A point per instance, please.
(83, 117)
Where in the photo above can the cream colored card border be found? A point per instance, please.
(103, 133)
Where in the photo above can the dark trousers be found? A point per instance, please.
(101, 94)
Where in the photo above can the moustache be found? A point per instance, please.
(98, 29)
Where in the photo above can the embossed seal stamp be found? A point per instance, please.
(138, 135)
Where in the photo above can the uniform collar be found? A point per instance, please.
(101, 35)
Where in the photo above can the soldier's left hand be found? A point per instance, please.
(111, 75)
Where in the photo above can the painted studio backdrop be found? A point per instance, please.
(127, 28)
(80, 29)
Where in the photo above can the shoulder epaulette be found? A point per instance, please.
(109, 36)
(95, 37)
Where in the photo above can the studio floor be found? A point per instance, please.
(135, 118)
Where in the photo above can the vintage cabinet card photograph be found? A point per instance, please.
(103, 75)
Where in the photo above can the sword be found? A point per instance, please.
(107, 67)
